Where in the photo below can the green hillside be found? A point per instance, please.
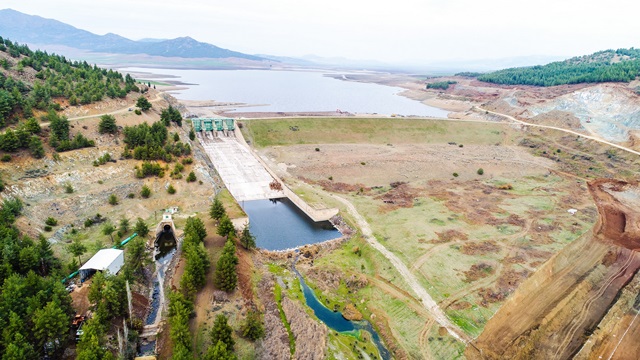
(34, 85)
(604, 66)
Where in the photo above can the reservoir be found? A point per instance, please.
(291, 91)
(278, 224)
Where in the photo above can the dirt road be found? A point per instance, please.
(411, 280)
(561, 129)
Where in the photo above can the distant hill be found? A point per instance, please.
(32, 29)
(604, 66)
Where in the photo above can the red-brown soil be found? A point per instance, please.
(554, 311)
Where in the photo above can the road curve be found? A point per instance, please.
(560, 129)
(424, 297)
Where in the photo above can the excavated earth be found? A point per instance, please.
(554, 313)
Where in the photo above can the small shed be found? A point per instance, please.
(109, 260)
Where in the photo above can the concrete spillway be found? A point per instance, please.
(247, 177)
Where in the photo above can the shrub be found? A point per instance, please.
(145, 192)
(171, 190)
(48, 228)
(131, 195)
(187, 161)
(191, 177)
(113, 199)
(6, 158)
(455, 174)
(480, 171)
(107, 124)
(88, 222)
(51, 221)
(68, 188)
(138, 112)
(317, 149)
(461, 145)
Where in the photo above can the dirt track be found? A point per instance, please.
(570, 294)
(424, 297)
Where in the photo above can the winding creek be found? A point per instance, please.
(334, 319)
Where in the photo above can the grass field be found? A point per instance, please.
(264, 133)
(470, 240)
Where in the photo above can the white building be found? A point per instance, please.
(109, 260)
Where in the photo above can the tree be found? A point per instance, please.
(219, 352)
(123, 226)
(107, 124)
(196, 227)
(226, 277)
(137, 256)
(192, 135)
(19, 349)
(217, 210)
(171, 190)
(191, 177)
(107, 229)
(145, 192)
(221, 331)
(113, 199)
(141, 228)
(143, 103)
(247, 239)
(50, 324)
(253, 328)
(197, 264)
(36, 148)
(76, 248)
(226, 228)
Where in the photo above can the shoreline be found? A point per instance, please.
(411, 89)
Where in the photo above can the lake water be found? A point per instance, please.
(278, 224)
(292, 91)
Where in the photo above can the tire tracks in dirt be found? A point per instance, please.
(426, 300)
(586, 306)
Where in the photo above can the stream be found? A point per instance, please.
(335, 320)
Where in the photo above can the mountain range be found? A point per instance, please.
(32, 29)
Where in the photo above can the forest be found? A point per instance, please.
(34, 87)
(622, 65)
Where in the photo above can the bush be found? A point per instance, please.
(88, 222)
(113, 199)
(131, 195)
(68, 188)
(51, 221)
(107, 125)
(6, 158)
(191, 177)
(48, 228)
(171, 190)
(145, 192)
(455, 174)
(138, 112)
(480, 171)
(187, 161)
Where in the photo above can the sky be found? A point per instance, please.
(393, 31)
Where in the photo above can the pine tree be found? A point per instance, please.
(226, 228)
(141, 228)
(217, 210)
(196, 227)
(226, 277)
(221, 331)
(247, 239)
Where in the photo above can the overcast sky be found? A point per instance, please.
(408, 31)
